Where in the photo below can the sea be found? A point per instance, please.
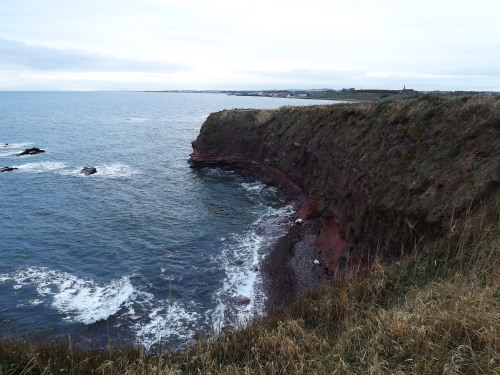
(147, 251)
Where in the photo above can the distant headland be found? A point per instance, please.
(341, 94)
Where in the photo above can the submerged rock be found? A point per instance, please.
(7, 169)
(31, 151)
(88, 170)
(244, 301)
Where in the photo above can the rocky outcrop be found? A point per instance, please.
(31, 151)
(87, 171)
(7, 169)
(380, 175)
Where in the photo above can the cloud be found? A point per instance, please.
(21, 56)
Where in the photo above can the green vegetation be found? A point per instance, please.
(371, 95)
(420, 175)
(383, 95)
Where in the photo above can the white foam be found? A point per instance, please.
(217, 172)
(218, 315)
(77, 299)
(89, 302)
(35, 302)
(21, 145)
(41, 167)
(72, 172)
(241, 296)
(4, 278)
(113, 170)
(13, 148)
(7, 152)
(253, 186)
(86, 301)
(257, 189)
(137, 119)
(31, 302)
(165, 322)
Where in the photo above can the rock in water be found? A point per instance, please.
(88, 170)
(7, 169)
(31, 151)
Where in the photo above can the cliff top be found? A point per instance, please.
(389, 172)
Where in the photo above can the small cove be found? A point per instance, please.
(146, 250)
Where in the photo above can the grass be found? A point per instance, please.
(434, 312)
(360, 95)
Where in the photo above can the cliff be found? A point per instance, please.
(382, 176)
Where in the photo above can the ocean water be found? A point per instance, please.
(146, 251)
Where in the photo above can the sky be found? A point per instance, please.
(249, 45)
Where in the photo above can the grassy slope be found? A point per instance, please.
(362, 96)
(433, 312)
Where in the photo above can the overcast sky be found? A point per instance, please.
(252, 44)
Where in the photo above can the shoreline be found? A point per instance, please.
(293, 266)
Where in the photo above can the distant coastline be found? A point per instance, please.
(333, 94)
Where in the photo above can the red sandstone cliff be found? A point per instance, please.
(382, 175)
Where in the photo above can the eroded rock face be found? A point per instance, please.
(333, 246)
(231, 155)
(381, 175)
(221, 143)
(31, 151)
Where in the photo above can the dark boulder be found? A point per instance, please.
(88, 170)
(7, 169)
(31, 151)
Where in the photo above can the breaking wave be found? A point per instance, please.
(241, 297)
(41, 167)
(166, 322)
(112, 170)
(11, 149)
(78, 300)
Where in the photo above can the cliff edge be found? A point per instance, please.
(381, 176)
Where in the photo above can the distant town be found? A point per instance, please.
(342, 94)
